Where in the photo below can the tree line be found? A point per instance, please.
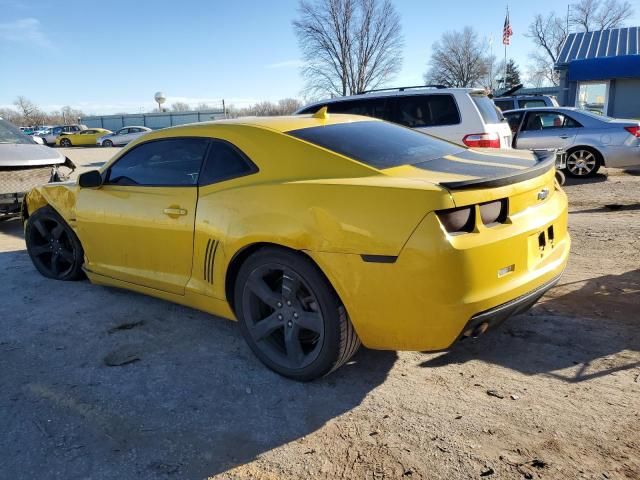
(350, 46)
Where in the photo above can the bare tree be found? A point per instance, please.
(458, 59)
(348, 46)
(589, 15)
(548, 33)
(29, 111)
(180, 107)
(287, 106)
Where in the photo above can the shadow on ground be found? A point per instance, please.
(612, 207)
(597, 178)
(12, 227)
(569, 335)
(193, 402)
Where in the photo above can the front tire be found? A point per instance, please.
(107, 143)
(65, 142)
(290, 316)
(54, 248)
(583, 162)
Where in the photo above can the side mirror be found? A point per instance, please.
(90, 179)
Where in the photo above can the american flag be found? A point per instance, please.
(506, 31)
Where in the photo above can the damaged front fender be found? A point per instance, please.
(60, 196)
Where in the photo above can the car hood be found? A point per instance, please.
(28, 155)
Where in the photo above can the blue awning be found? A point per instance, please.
(604, 68)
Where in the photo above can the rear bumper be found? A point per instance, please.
(621, 156)
(441, 284)
(495, 316)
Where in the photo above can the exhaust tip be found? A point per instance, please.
(475, 332)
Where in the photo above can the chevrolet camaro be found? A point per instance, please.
(316, 232)
(81, 138)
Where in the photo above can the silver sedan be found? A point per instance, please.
(590, 140)
(122, 136)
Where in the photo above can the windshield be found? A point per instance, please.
(378, 144)
(490, 113)
(9, 133)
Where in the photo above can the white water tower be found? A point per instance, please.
(160, 98)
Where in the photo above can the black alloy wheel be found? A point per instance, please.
(291, 317)
(53, 247)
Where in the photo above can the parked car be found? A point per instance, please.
(26, 130)
(465, 116)
(24, 164)
(81, 138)
(41, 129)
(122, 136)
(317, 232)
(590, 140)
(513, 102)
(51, 135)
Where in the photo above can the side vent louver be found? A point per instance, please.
(209, 259)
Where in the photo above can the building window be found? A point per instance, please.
(593, 97)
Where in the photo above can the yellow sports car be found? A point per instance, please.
(315, 232)
(81, 138)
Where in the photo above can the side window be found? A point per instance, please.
(171, 162)
(514, 120)
(531, 103)
(548, 120)
(372, 107)
(225, 162)
(504, 105)
(57, 130)
(426, 111)
(123, 131)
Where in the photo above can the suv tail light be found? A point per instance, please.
(482, 140)
(635, 131)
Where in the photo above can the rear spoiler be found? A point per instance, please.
(546, 161)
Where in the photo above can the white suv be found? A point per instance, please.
(465, 116)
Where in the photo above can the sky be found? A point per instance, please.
(113, 56)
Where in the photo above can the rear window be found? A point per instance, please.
(377, 144)
(489, 112)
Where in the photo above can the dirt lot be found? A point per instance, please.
(565, 380)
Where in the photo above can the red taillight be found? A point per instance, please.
(635, 131)
(482, 140)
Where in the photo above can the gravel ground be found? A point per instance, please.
(554, 393)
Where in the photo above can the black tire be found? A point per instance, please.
(308, 333)
(53, 246)
(107, 143)
(65, 142)
(560, 177)
(583, 162)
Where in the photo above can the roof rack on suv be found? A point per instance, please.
(402, 89)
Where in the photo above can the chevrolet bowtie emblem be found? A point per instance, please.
(542, 194)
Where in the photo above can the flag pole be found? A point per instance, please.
(504, 81)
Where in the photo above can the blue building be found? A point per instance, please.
(600, 71)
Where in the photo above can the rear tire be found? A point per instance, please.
(53, 246)
(583, 162)
(290, 316)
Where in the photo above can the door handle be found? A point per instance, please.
(174, 211)
(564, 136)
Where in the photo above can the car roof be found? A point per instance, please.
(395, 93)
(550, 107)
(281, 123)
